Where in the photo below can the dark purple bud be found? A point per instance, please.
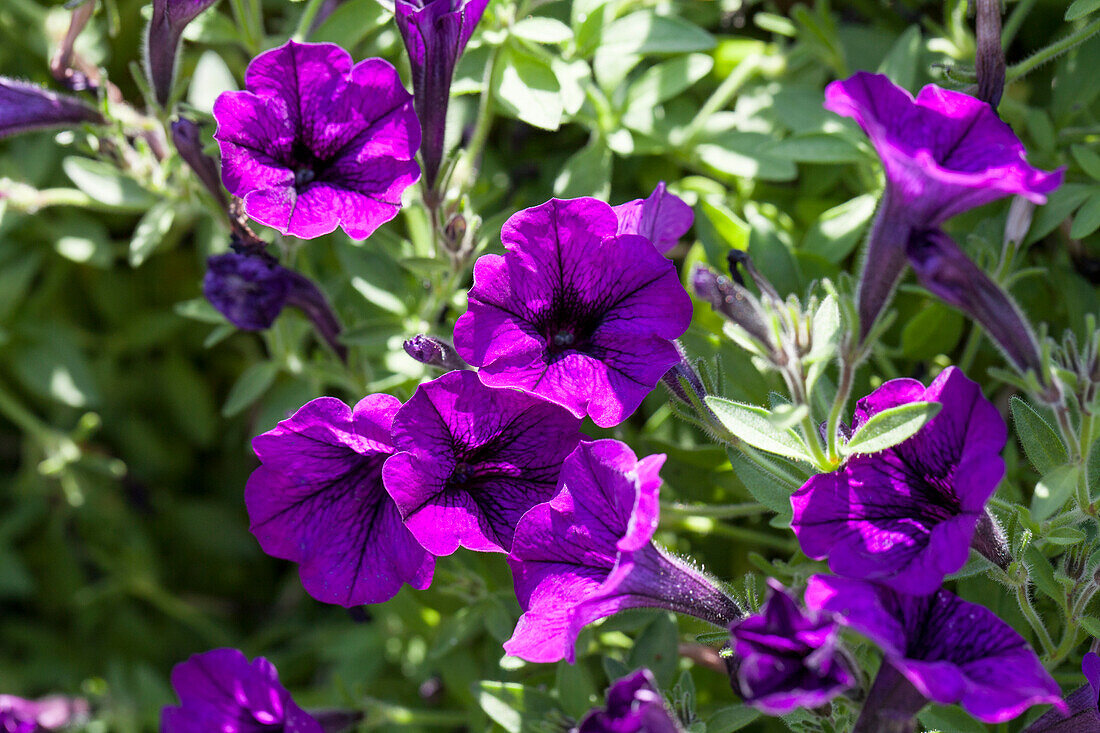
(734, 301)
(891, 705)
(946, 272)
(1083, 715)
(25, 107)
(883, 264)
(162, 40)
(434, 352)
(307, 297)
(737, 258)
(187, 138)
(989, 540)
(435, 34)
(634, 705)
(989, 61)
(62, 61)
(675, 377)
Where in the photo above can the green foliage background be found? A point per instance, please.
(127, 403)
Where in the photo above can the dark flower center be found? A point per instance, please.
(568, 324)
(307, 165)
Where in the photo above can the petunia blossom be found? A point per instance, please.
(1081, 713)
(905, 516)
(634, 705)
(661, 217)
(315, 142)
(588, 553)
(784, 658)
(574, 312)
(220, 690)
(472, 460)
(950, 650)
(435, 34)
(26, 107)
(318, 500)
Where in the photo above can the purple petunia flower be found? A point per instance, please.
(435, 34)
(905, 516)
(786, 659)
(315, 142)
(473, 460)
(950, 650)
(25, 107)
(162, 40)
(220, 690)
(662, 218)
(587, 554)
(18, 715)
(574, 312)
(318, 500)
(634, 705)
(1082, 713)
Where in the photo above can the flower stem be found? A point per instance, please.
(715, 511)
(1051, 52)
(465, 171)
(741, 74)
(305, 22)
(840, 401)
(1028, 610)
(1015, 20)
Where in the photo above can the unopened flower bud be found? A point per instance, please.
(1019, 220)
(187, 138)
(25, 107)
(434, 352)
(676, 377)
(162, 40)
(733, 301)
(989, 540)
(989, 61)
(61, 63)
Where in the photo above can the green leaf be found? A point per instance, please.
(732, 229)
(576, 688)
(1088, 159)
(1091, 624)
(249, 387)
(514, 707)
(528, 89)
(107, 185)
(1041, 443)
(625, 41)
(212, 77)
(587, 172)
(733, 718)
(818, 147)
(1081, 8)
(150, 232)
(1060, 203)
(903, 61)
(745, 155)
(936, 329)
(761, 485)
(1042, 574)
(199, 309)
(892, 426)
(57, 369)
(656, 649)
(1065, 536)
(1087, 219)
(751, 424)
(837, 232)
(1052, 491)
(665, 80)
(951, 719)
(542, 30)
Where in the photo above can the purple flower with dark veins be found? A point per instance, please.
(662, 218)
(435, 34)
(574, 312)
(162, 40)
(315, 142)
(249, 290)
(473, 459)
(1082, 706)
(26, 107)
(588, 553)
(318, 500)
(905, 516)
(220, 690)
(950, 650)
(634, 705)
(785, 659)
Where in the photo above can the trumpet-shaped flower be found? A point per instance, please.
(574, 312)
(315, 142)
(25, 107)
(1081, 713)
(318, 500)
(634, 705)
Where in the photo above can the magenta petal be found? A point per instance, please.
(662, 218)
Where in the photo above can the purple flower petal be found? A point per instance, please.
(944, 152)
(315, 143)
(952, 651)
(473, 460)
(905, 516)
(220, 690)
(634, 705)
(318, 500)
(662, 218)
(25, 107)
(573, 312)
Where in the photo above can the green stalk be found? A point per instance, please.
(713, 511)
(1028, 610)
(840, 401)
(305, 22)
(725, 92)
(1051, 52)
(1015, 21)
(467, 166)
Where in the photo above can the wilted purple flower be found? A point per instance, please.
(25, 107)
(574, 312)
(162, 40)
(37, 716)
(950, 650)
(318, 500)
(315, 143)
(905, 516)
(1082, 706)
(473, 460)
(220, 690)
(587, 554)
(662, 218)
(785, 659)
(634, 705)
(435, 33)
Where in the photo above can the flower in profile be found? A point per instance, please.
(785, 659)
(588, 553)
(435, 34)
(187, 138)
(315, 142)
(26, 107)
(634, 705)
(661, 217)
(472, 460)
(574, 312)
(1082, 706)
(37, 716)
(162, 40)
(220, 690)
(434, 352)
(950, 650)
(318, 500)
(905, 516)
